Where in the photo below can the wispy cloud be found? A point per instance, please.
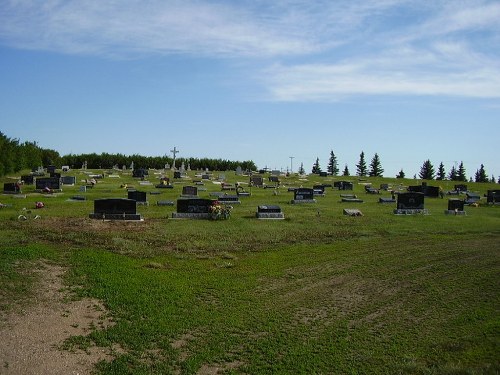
(319, 50)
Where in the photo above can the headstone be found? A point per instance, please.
(83, 189)
(131, 166)
(165, 203)
(275, 172)
(229, 199)
(28, 179)
(11, 188)
(177, 174)
(493, 196)
(205, 176)
(323, 174)
(343, 185)
(139, 196)
(68, 180)
(140, 173)
(472, 198)
(47, 182)
(386, 200)
(189, 191)
(55, 175)
(432, 191)
(455, 207)
(352, 212)
(269, 212)
(410, 203)
(115, 209)
(351, 200)
(384, 186)
(274, 179)
(257, 181)
(51, 169)
(461, 188)
(303, 195)
(239, 171)
(319, 189)
(182, 169)
(193, 208)
(65, 168)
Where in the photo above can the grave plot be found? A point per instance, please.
(455, 207)
(115, 209)
(193, 208)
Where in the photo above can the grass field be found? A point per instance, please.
(316, 293)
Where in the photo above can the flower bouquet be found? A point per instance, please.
(220, 211)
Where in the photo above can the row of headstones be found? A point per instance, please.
(126, 209)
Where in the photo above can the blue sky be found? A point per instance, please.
(257, 80)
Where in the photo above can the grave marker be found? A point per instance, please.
(193, 208)
(303, 195)
(269, 212)
(115, 209)
(410, 203)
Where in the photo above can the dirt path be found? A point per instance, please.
(30, 339)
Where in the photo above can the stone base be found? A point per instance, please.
(165, 203)
(352, 200)
(298, 201)
(229, 202)
(190, 215)
(270, 215)
(453, 212)
(126, 217)
(386, 200)
(411, 212)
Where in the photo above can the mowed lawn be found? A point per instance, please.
(318, 292)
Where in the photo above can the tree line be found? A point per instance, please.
(374, 169)
(16, 156)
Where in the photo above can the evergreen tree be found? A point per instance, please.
(346, 171)
(301, 169)
(361, 166)
(461, 172)
(481, 175)
(376, 167)
(333, 167)
(441, 175)
(316, 169)
(492, 179)
(401, 174)
(427, 171)
(453, 174)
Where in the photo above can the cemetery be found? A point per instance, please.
(313, 258)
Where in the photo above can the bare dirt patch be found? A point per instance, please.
(31, 338)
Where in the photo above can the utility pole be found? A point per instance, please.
(175, 152)
(291, 163)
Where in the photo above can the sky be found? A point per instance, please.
(279, 82)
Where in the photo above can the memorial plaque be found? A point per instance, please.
(303, 195)
(47, 182)
(190, 191)
(410, 201)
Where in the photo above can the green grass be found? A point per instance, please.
(318, 292)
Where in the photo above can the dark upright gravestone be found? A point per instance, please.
(455, 207)
(139, 196)
(51, 183)
(11, 188)
(343, 185)
(140, 173)
(461, 188)
(28, 179)
(269, 212)
(193, 208)
(51, 169)
(319, 189)
(432, 191)
(472, 198)
(55, 175)
(416, 188)
(190, 191)
(229, 199)
(410, 203)
(493, 196)
(177, 174)
(303, 195)
(274, 179)
(115, 209)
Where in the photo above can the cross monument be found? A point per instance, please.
(175, 152)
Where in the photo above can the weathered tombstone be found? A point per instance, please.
(189, 191)
(274, 179)
(343, 185)
(493, 196)
(83, 189)
(65, 168)
(139, 196)
(68, 180)
(177, 174)
(205, 176)
(257, 181)
(455, 207)
(352, 212)
(303, 195)
(472, 198)
(51, 169)
(51, 183)
(11, 188)
(193, 208)
(410, 203)
(239, 171)
(115, 209)
(269, 212)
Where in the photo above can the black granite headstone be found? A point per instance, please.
(28, 179)
(493, 196)
(303, 194)
(194, 205)
(115, 209)
(140, 173)
(52, 183)
(138, 196)
(11, 188)
(455, 204)
(410, 201)
(190, 190)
